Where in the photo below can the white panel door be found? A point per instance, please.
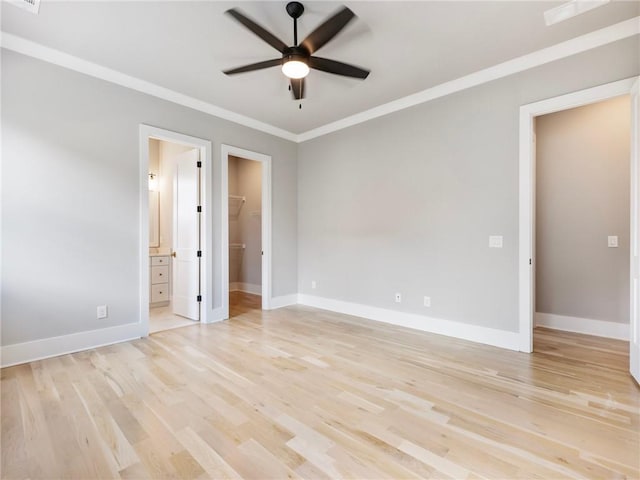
(186, 236)
(634, 320)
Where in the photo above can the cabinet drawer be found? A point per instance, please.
(160, 293)
(163, 260)
(159, 275)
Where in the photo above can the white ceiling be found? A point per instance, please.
(408, 46)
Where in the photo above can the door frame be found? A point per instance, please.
(265, 160)
(147, 132)
(527, 168)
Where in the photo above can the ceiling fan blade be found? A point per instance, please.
(329, 29)
(297, 88)
(268, 37)
(254, 66)
(339, 68)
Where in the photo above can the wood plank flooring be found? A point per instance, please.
(305, 393)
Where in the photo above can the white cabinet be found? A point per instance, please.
(159, 280)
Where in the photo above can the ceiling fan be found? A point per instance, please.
(298, 59)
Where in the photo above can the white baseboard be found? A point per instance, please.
(587, 326)
(52, 347)
(465, 331)
(245, 287)
(283, 301)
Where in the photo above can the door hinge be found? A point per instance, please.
(199, 253)
(199, 164)
(529, 261)
(199, 298)
(199, 209)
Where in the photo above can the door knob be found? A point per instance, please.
(173, 254)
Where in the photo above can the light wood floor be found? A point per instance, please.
(299, 392)
(163, 318)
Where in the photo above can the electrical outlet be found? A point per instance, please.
(427, 301)
(102, 311)
(398, 297)
(313, 284)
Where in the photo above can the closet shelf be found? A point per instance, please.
(237, 245)
(235, 204)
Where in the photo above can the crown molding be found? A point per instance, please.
(56, 57)
(583, 43)
(597, 38)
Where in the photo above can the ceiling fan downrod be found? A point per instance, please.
(295, 11)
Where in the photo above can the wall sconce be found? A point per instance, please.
(153, 183)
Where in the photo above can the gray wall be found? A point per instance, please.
(235, 234)
(250, 186)
(70, 197)
(406, 202)
(582, 196)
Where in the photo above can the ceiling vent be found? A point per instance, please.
(30, 5)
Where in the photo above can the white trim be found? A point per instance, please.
(464, 331)
(218, 315)
(283, 301)
(227, 150)
(245, 287)
(527, 190)
(57, 57)
(583, 43)
(75, 342)
(206, 274)
(588, 326)
(580, 44)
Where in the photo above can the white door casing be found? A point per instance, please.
(186, 236)
(634, 310)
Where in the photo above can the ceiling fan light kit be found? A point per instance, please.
(295, 68)
(297, 60)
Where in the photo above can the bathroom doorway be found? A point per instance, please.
(175, 258)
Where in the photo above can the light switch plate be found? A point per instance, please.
(495, 241)
(102, 312)
(612, 241)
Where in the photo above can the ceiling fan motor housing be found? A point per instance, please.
(296, 53)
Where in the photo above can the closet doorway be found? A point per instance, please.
(247, 178)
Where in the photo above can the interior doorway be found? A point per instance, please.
(246, 181)
(174, 230)
(527, 214)
(581, 221)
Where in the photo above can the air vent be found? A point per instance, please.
(30, 5)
